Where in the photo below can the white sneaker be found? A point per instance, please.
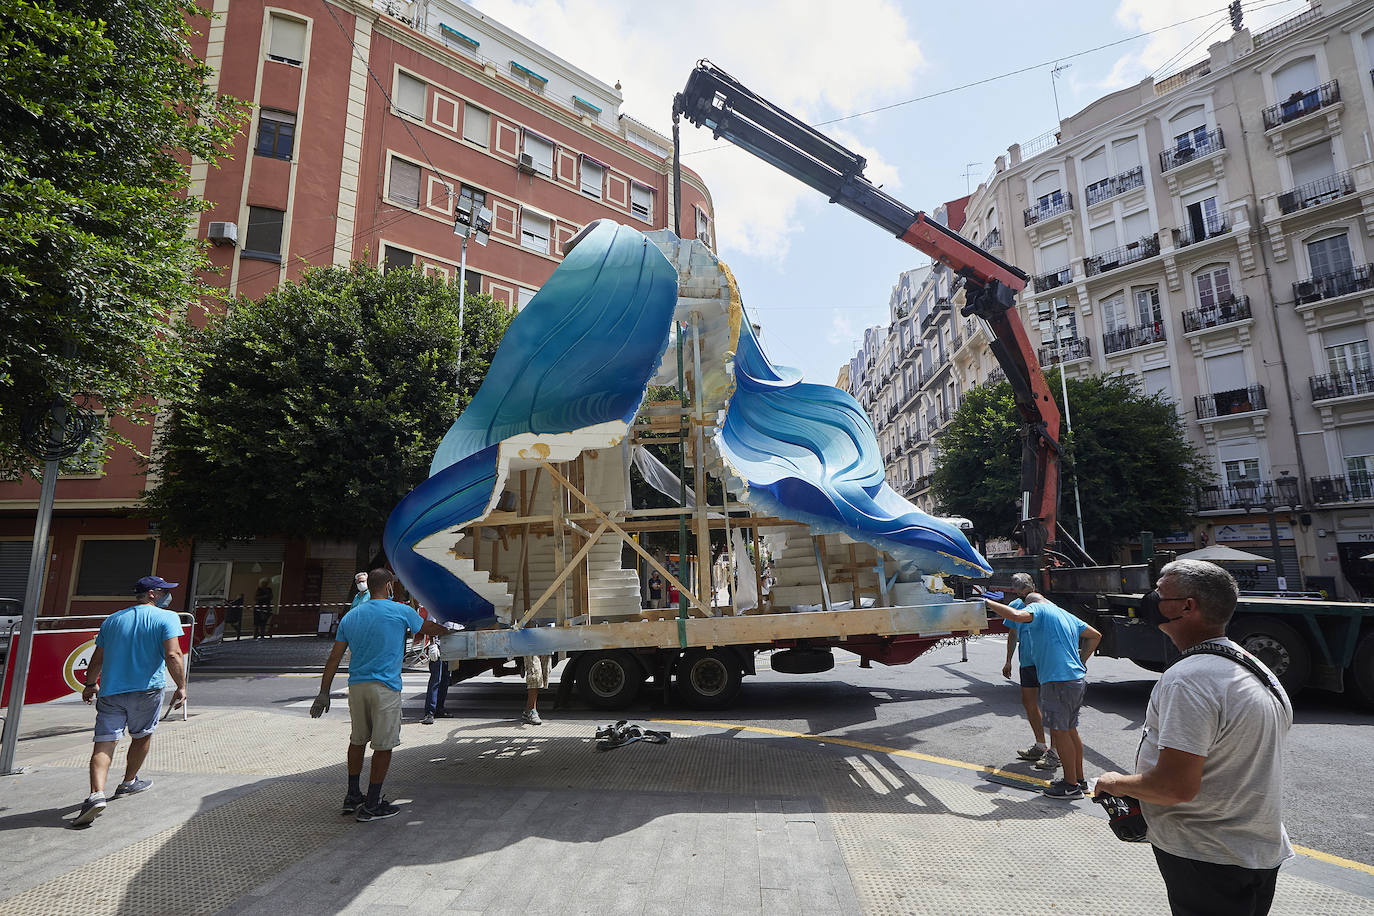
(531, 717)
(1048, 762)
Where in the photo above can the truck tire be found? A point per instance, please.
(1278, 645)
(610, 679)
(709, 678)
(1360, 674)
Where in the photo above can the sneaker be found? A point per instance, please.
(91, 809)
(531, 717)
(133, 788)
(353, 801)
(428, 719)
(1050, 761)
(1033, 753)
(383, 809)
(1083, 786)
(1061, 789)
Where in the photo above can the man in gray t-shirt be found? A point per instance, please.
(1210, 765)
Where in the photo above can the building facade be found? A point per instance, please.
(1209, 235)
(372, 126)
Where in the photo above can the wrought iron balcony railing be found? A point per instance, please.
(1210, 227)
(992, 240)
(1302, 103)
(1329, 286)
(996, 376)
(1067, 351)
(1342, 384)
(1248, 495)
(1342, 488)
(1223, 403)
(1053, 279)
(1187, 151)
(1108, 188)
(1130, 338)
(1236, 308)
(1050, 208)
(1139, 250)
(1317, 192)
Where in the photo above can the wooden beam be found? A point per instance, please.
(557, 584)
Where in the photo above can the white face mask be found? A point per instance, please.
(165, 601)
(362, 586)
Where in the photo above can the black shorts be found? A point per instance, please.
(1029, 677)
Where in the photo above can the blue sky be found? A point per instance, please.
(812, 274)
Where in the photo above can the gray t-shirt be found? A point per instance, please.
(1215, 708)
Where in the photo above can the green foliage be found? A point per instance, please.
(101, 105)
(319, 406)
(1136, 469)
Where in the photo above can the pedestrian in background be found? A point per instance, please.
(360, 593)
(375, 632)
(1019, 641)
(135, 650)
(262, 608)
(655, 590)
(1209, 771)
(234, 616)
(537, 668)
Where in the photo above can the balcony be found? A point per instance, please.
(932, 426)
(1329, 286)
(1061, 204)
(1108, 188)
(921, 483)
(1342, 384)
(925, 376)
(1188, 151)
(1247, 495)
(993, 240)
(1342, 488)
(1302, 103)
(1146, 247)
(956, 336)
(1228, 311)
(1130, 338)
(1292, 24)
(1209, 228)
(996, 376)
(1053, 280)
(1225, 403)
(1067, 351)
(1318, 192)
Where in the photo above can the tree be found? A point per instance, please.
(102, 104)
(319, 406)
(1136, 469)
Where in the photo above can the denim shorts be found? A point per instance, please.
(1060, 702)
(136, 711)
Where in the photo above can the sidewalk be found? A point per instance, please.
(503, 818)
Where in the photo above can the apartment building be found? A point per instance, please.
(373, 125)
(1209, 235)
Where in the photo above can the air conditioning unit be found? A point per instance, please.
(223, 233)
(526, 164)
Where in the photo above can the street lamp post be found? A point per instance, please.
(1068, 419)
(1270, 504)
(466, 225)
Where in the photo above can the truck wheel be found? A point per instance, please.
(610, 680)
(1360, 674)
(708, 679)
(1277, 645)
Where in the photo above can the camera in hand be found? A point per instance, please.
(1124, 816)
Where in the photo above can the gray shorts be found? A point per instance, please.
(1060, 702)
(537, 671)
(375, 711)
(136, 711)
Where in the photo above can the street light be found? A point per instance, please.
(467, 225)
(1245, 495)
(1068, 419)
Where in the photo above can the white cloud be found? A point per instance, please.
(797, 53)
(843, 333)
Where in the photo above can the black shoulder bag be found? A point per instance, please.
(1243, 659)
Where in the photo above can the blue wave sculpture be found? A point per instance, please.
(808, 453)
(580, 354)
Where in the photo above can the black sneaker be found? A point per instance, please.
(1083, 786)
(1062, 789)
(383, 809)
(353, 801)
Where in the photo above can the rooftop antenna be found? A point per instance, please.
(1054, 86)
(968, 173)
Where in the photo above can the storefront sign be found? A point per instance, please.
(58, 663)
(1251, 531)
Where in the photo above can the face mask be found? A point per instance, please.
(1151, 613)
(362, 586)
(165, 601)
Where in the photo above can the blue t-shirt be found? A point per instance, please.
(1024, 653)
(134, 642)
(1054, 636)
(376, 635)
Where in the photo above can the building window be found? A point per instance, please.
(107, 569)
(472, 199)
(476, 125)
(1330, 256)
(405, 183)
(1147, 306)
(394, 258)
(472, 283)
(276, 134)
(263, 238)
(523, 297)
(1114, 313)
(1213, 286)
(642, 201)
(410, 95)
(540, 152)
(703, 226)
(586, 109)
(534, 231)
(456, 39)
(1241, 469)
(528, 78)
(286, 40)
(1348, 357)
(592, 176)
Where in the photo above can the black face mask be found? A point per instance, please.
(1150, 611)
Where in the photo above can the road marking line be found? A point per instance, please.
(963, 765)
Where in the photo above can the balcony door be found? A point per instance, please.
(1213, 286)
(1330, 256)
(1347, 350)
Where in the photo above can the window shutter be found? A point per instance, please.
(476, 125)
(1103, 238)
(592, 176)
(1095, 167)
(1226, 373)
(1126, 153)
(1312, 163)
(287, 39)
(1137, 226)
(641, 201)
(1297, 77)
(410, 95)
(405, 183)
(1357, 440)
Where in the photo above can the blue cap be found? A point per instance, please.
(151, 582)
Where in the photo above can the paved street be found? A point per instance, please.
(855, 791)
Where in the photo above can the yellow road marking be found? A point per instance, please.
(961, 764)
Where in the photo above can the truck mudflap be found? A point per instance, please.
(865, 628)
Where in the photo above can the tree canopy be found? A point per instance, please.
(101, 106)
(1136, 469)
(319, 406)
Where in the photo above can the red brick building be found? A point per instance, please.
(370, 122)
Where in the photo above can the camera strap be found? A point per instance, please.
(1245, 660)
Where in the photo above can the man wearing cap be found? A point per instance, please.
(134, 651)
